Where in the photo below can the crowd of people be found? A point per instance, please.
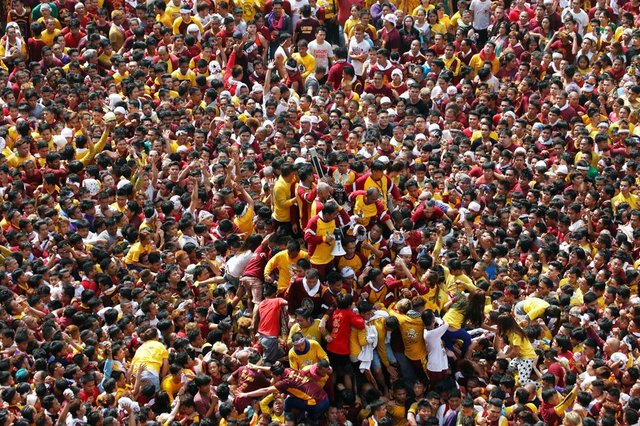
(320, 212)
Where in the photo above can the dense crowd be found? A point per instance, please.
(320, 212)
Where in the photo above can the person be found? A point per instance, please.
(521, 352)
(269, 317)
(303, 394)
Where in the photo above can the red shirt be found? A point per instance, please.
(341, 322)
(255, 267)
(269, 310)
(300, 387)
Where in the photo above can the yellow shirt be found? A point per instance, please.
(412, 336)
(282, 200)
(454, 317)
(534, 307)
(48, 37)
(526, 348)
(313, 355)
(152, 353)
(135, 252)
(171, 387)
(165, 19)
(15, 161)
(307, 61)
(245, 222)
(282, 263)
(190, 76)
(310, 333)
(476, 63)
(632, 200)
(194, 20)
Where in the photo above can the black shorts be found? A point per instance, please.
(341, 364)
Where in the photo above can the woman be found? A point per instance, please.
(438, 363)
(422, 26)
(502, 38)
(408, 33)
(521, 353)
(465, 309)
(237, 263)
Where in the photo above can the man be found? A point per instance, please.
(378, 179)
(303, 394)
(282, 263)
(268, 318)
(481, 11)
(305, 352)
(321, 49)
(320, 238)
(285, 201)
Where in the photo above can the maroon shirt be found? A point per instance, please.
(247, 380)
(300, 387)
(255, 267)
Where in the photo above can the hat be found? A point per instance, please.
(22, 375)
(191, 269)
(390, 17)
(556, 55)
(384, 159)
(66, 133)
(237, 35)
(109, 117)
(347, 272)
(120, 110)
(452, 90)
(405, 251)
(185, 11)
(385, 100)
(562, 169)
(204, 215)
(220, 348)
(433, 127)
(588, 87)
(474, 206)
(509, 114)
(420, 136)
(257, 88)
(396, 72)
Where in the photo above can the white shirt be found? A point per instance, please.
(481, 14)
(581, 17)
(437, 360)
(237, 263)
(322, 53)
(356, 48)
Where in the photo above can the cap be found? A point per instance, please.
(474, 206)
(562, 169)
(405, 251)
(237, 35)
(66, 132)
(396, 72)
(220, 348)
(433, 127)
(120, 110)
(390, 17)
(204, 215)
(347, 272)
(384, 159)
(257, 88)
(385, 100)
(420, 136)
(109, 117)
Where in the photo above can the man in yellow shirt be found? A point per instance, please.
(304, 59)
(306, 325)
(20, 155)
(284, 198)
(625, 195)
(282, 263)
(183, 73)
(487, 54)
(305, 352)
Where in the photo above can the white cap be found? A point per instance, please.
(204, 215)
(396, 71)
(347, 272)
(452, 90)
(474, 206)
(562, 169)
(66, 133)
(510, 114)
(120, 110)
(405, 251)
(257, 88)
(420, 136)
(384, 159)
(541, 163)
(385, 100)
(433, 127)
(109, 117)
(391, 18)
